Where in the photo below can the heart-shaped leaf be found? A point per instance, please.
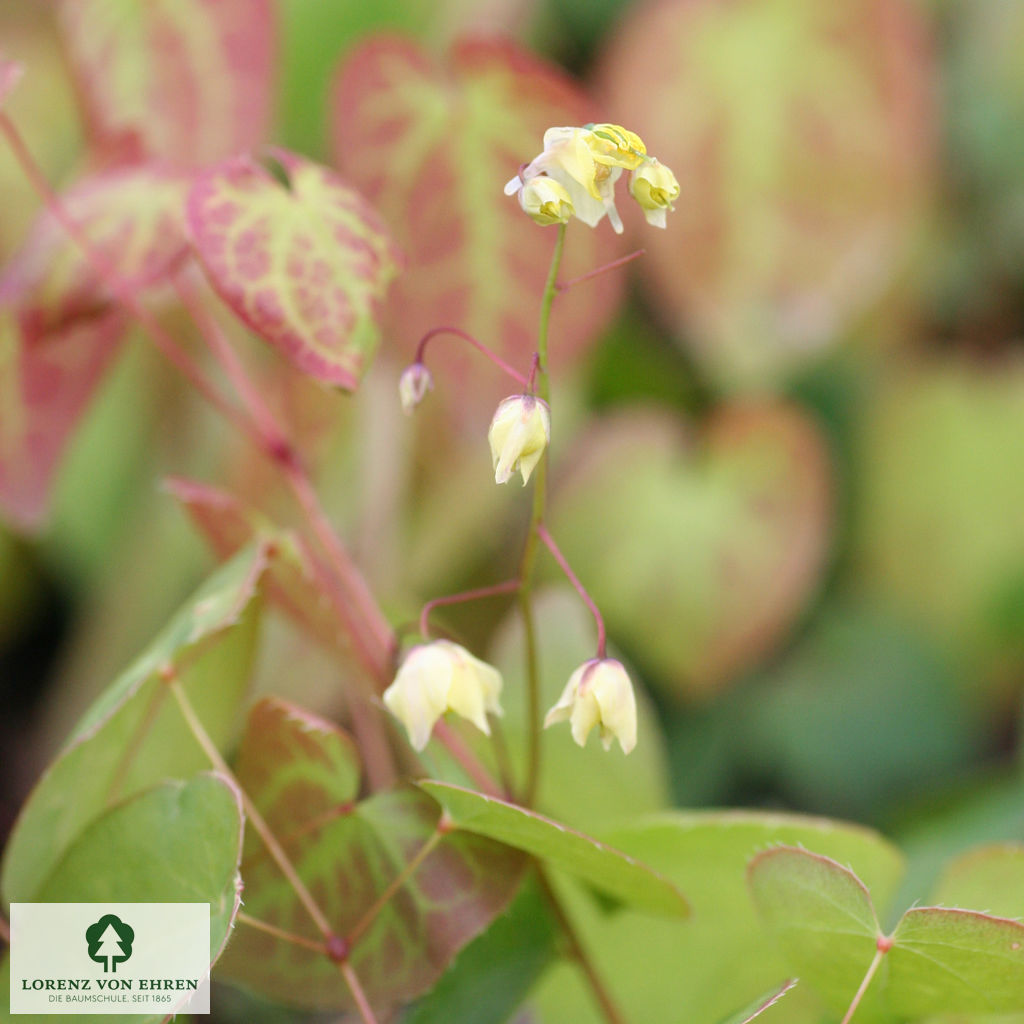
(432, 148)
(704, 552)
(759, 1005)
(305, 265)
(188, 80)
(46, 385)
(295, 575)
(134, 734)
(800, 133)
(302, 774)
(607, 869)
(134, 216)
(936, 961)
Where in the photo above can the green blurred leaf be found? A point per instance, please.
(493, 974)
(134, 735)
(988, 878)
(605, 868)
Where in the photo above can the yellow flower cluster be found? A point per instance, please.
(575, 176)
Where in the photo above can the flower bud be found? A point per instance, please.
(598, 693)
(414, 383)
(438, 677)
(655, 188)
(546, 201)
(519, 433)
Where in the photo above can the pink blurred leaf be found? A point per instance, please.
(303, 775)
(10, 74)
(802, 136)
(191, 79)
(133, 215)
(432, 149)
(45, 388)
(306, 265)
(295, 575)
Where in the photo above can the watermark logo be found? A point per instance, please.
(110, 941)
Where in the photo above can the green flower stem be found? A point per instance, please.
(529, 557)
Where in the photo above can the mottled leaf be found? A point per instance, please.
(721, 957)
(46, 385)
(602, 866)
(134, 734)
(801, 134)
(702, 564)
(295, 576)
(432, 148)
(134, 216)
(190, 80)
(305, 264)
(989, 878)
(759, 1005)
(823, 916)
(302, 774)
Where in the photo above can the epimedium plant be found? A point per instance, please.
(340, 875)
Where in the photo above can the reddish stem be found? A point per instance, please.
(563, 563)
(603, 269)
(508, 587)
(421, 349)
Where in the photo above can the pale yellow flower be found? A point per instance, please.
(599, 693)
(655, 188)
(518, 435)
(438, 677)
(546, 201)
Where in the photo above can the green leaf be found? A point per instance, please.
(823, 915)
(493, 974)
(302, 774)
(673, 973)
(134, 735)
(605, 868)
(759, 1005)
(305, 264)
(950, 961)
(988, 878)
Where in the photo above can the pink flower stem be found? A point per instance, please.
(421, 350)
(882, 946)
(163, 340)
(563, 562)
(603, 269)
(508, 587)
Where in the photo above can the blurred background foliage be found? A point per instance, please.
(789, 461)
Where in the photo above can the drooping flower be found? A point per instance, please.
(413, 385)
(518, 435)
(600, 693)
(655, 188)
(546, 201)
(584, 163)
(438, 677)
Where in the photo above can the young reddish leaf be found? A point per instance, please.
(295, 574)
(133, 215)
(10, 74)
(432, 150)
(721, 538)
(190, 79)
(46, 385)
(305, 265)
(759, 1005)
(302, 774)
(801, 134)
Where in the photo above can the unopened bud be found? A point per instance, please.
(414, 383)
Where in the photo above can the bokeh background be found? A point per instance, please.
(789, 440)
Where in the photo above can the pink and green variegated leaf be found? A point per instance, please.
(46, 385)
(190, 80)
(302, 774)
(432, 148)
(801, 135)
(295, 575)
(306, 265)
(10, 74)
(134, 216)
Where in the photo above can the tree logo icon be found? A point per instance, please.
(110, 942)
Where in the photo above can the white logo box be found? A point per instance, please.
(137, 958)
